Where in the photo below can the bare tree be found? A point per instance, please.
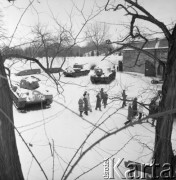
(51, 44)
(10, 163)
(96, 34)
(163, 151)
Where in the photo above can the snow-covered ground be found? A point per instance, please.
(61, 127)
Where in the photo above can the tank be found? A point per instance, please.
(101, 76)
(29, 92)
(157, 81)
(76, 71)
(28, 72)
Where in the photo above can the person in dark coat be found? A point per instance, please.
(86, 106)
(81, 106)
(153, 108)
(134, 107)
(105, 99)
(85, 93)
(124, 96)
(102, 94)
(98, 103)
(140, 111)
(130, 114)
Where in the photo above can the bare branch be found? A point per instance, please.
(145, 15)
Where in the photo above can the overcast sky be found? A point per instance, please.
(41, 11)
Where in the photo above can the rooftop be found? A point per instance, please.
(151, 44)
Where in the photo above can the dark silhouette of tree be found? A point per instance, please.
(10, 167)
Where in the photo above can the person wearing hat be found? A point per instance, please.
(134, 107)
(130, 112)
(105, 99)
(124, 98)
(102, 94)
(98, 103)
(86, 105)
(81, 105)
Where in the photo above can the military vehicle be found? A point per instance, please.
(101, 76)
(29, 92)
(157, 81)
(28, 72)
(76, 71)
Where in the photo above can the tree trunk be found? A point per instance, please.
(10, 167)
(163, 152)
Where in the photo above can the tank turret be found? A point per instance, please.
(98, 72)
(103, 76)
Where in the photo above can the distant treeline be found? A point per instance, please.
(55, 51)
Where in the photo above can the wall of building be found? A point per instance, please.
(130, 56)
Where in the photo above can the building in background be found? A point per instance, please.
(145, 64)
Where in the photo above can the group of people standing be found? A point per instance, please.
(85, 105)
(133, 108)
(102, 98)
(136, 109)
